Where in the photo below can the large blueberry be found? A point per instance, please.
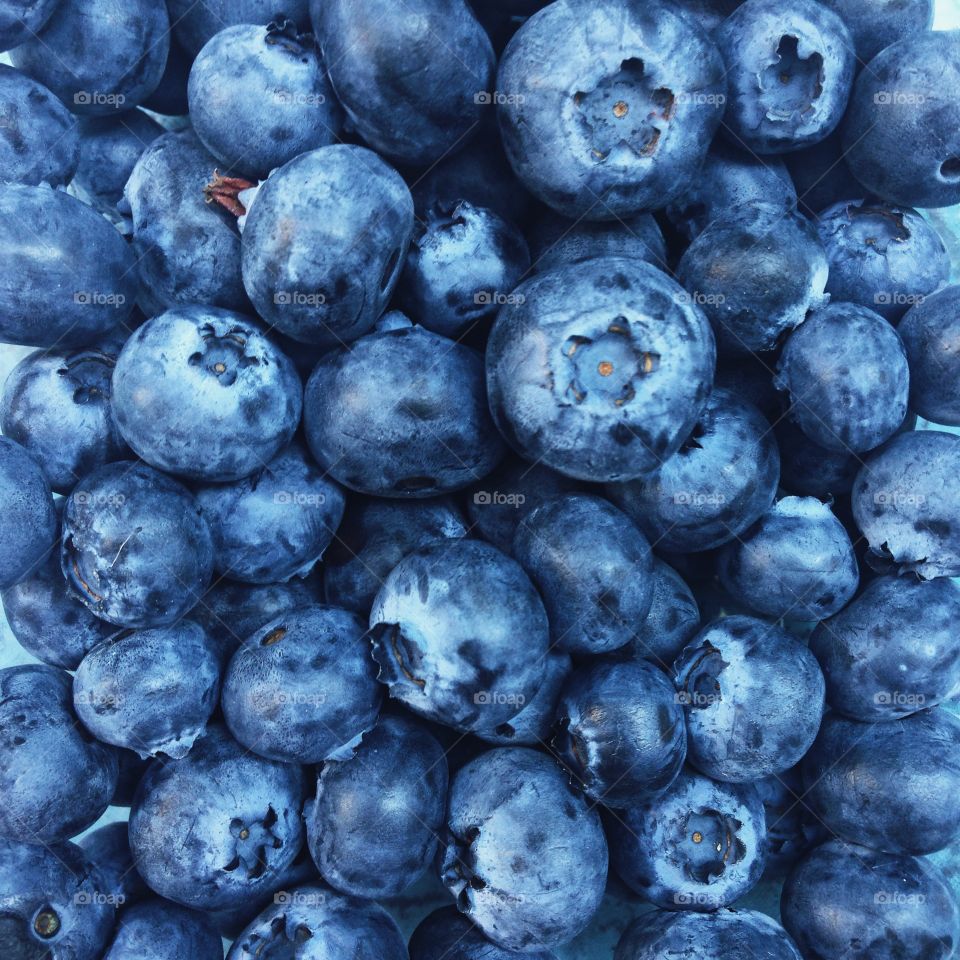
(797, 561)
(607, 109)
(875, 24)
(460, 634)
(592, 567)
(159, 930)
(754, 698)
(135, 547)
(447, 933)
(892, 785)
(21, 19)
(210, 831)
(599, 369)
(401, 413)
(55, 780)
(196, 23)
(526, 857)
(374, 825)
(203, 393)
(717, 484)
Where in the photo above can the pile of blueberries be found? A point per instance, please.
(478, 450)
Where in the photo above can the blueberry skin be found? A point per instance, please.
(374, 537)
(135, 547)
(796, 561)
(270, 79)
(374, 824)
(313, 922)
(66, 53)
(705, 936)
(303, 688)
(150, 691)
(526, 857)
(57, 405)
(874, 26)
(55, 780)
(599, 369)
(568, 74)
(930, 332)
(275, 524)
(210, 831)
(38, 138)
(593, 568)
(909, 95)
(81, 289)
(810, 470)
(401, 413)
(353, 216)
(754, 698)
(757, 274)
(203, 393)
(845, 902)
(463, 263)
(714, 487)
(195, 24)
(906, 500)
(108, 848)
(159, 930)
(892, 785)
(789, 73)
(21, 19)
(446, 933)
(654, 850)
(52, 903)
(409, 96)
(884, 258)
(845, 371)
(187, 250)
(29, 524)
(445, 628)
(621, 732)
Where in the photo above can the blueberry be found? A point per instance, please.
(187, 251)
(910, 94)
(203, 393)
(599, 369)
(906, 502)
(55, 780)
(593, 568)
(374, 824)
(211, 830)
(705, 936)
(621, 731)
(845, 371)
(526, 856)
(414, 88)
(930, 332)
(463, 263)
(892, 785)
(446, 933)
(722, 480)
(789, 72)
(401, 413)
(314, 923)
(159, 930)
(275, 524)
(608, 110)
(21, 19)
(797, 561)
(354, 214)
(374, 537)
(445, 628)
(135, 547)
(57, 404)
(882, 257)
(754, 697)
(303, 688)
(757, 273)
(108, 847)
(68, 54)
(81, 288)
(875, 25)
(846, 902)
(29, 523)
(810, 470)
(270, 79)
(195, 24)
(38, 136)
